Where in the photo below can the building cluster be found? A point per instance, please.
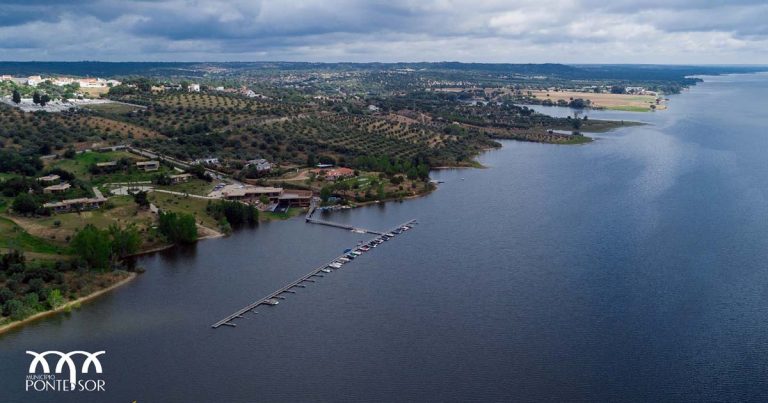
(275, 195)
(175, 87)
(260, 165)
(244, 91)
(54, 186)
(83, 203)
(146, 166)
(208, 161)
(34, 81)
(640, 91)
(333, 173)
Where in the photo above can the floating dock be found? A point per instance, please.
(301, 282)
(313, 206)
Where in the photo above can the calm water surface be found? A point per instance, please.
(633, 268)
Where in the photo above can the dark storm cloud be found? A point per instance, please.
(481, 30)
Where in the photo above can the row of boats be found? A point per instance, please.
(350, 254)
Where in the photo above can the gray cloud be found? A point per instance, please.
(619, 31)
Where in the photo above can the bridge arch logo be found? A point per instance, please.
(47, 381)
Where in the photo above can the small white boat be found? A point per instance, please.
(335, 265)
(272, 301)
(325, 270)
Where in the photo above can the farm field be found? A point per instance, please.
(114, 108)
(624, 102)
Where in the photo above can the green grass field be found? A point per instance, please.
(13, 236)
(182, 204)
(82, 162)
(194, 186)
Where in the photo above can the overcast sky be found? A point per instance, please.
(514, 31)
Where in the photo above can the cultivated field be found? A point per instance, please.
(625, 102)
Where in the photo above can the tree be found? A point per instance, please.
(578, 103)
(92, 247)
(325, 193)
(123, 242)
(199, 171)
(162, 179)
(55, 299)
(141, 198)
(44, 99)
(6, 295)
(235, 213)
(36, 98)
(9, 261)
(16, 97)
(13, 308)
(576, 123)
(31, 303)
(25, 204)
(178, 227)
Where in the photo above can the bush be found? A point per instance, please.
(100, 248)
(13, 308)
(141, 199)
(55, 299)
(233, 212)
(25, 204)
(92, 247)
(6, 295)
(178, 227)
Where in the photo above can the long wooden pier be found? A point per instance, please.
(344, 226)
(313, 206)
(307, 278)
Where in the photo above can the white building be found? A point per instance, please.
(260, 164)
(34, 80)
(208, 161)
(194, 88)
(92, 83)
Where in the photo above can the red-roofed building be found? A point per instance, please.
(335, 173)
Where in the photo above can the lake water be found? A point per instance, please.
(632, 268)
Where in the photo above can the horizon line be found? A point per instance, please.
(398, 62)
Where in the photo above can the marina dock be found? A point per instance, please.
(313, 206)
(279, 295)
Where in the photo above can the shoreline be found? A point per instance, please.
(213, 234)
(9, 326)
